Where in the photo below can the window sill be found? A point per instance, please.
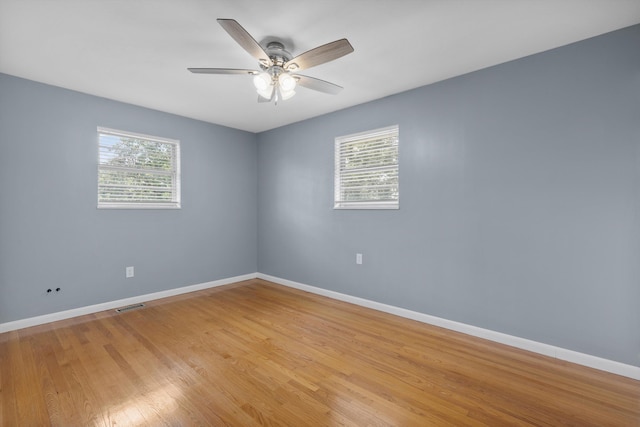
(138, 206)
(368, 206)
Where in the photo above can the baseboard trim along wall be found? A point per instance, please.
(81, 311)
(513, 341)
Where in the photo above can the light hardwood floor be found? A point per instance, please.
(256, 353)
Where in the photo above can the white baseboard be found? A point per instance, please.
(513, 341)
(522, 343)
(81, 311)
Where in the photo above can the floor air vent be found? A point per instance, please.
(129, 308)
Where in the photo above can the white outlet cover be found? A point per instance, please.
(129, 272)
(358, 258)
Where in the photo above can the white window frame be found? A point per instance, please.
(174, 172)
(340, 172)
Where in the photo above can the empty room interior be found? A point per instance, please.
(362, 213)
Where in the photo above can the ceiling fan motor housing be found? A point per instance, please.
(278, 55)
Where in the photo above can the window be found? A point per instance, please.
(366, 170)
(137, 171)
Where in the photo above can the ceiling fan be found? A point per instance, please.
(277, 78)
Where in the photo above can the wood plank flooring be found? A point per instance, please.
(259, 354)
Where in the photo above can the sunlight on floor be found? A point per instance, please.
(149, 407)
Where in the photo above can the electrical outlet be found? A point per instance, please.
(358, 258)
(129, 272)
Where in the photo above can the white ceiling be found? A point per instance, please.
(138, 51)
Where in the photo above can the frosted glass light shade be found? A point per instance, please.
(286, 82)
(286, 94)
(262, 81)
(266, 92)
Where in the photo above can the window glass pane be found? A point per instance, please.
(366, 175)
(137, 171)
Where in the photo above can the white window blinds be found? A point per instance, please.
(366, 170)
(137, 171)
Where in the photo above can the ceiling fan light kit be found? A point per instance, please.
(276, 80)
(274, 83)
(286, 82)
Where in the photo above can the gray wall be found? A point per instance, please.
(519, 200)
(519, 209)
(52, 234)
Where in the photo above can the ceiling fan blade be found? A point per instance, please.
(244, 39)
(317, 84)
(319, 55)
(222, 71)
